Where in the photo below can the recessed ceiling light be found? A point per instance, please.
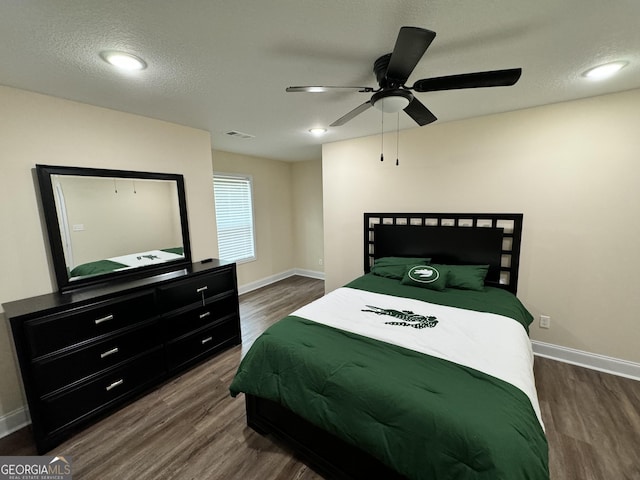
(123, 61)
(604, 71)
(317, 131)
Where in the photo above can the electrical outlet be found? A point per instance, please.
(319, 261)
(545, 321)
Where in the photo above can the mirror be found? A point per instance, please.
(110, 224)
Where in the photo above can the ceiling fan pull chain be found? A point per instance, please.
(382, 137)
(398, 140)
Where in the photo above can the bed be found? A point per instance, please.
(123, 262)
(421, 368)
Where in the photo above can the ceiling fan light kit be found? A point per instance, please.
(391, 101)
(393, 70)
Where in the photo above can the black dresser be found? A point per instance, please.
(85, 353)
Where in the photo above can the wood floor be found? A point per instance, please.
(192, 429)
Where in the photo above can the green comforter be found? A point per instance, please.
(95, 268)
(425, 417)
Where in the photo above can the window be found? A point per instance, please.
(234, 217)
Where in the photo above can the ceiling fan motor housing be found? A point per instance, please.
(380, 70)
(391, 98)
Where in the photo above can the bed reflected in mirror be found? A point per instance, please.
(105, 223)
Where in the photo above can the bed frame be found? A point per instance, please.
(450, 238)
(453, 238)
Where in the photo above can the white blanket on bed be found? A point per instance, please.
(493, 344)
(150, 257)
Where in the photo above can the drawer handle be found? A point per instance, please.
(204, 315)
(115, 384)
(207, 340)
(201, 291)
(103, 319)
(109, 352)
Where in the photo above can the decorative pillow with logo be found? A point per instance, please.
(426, 276)
(394, 267)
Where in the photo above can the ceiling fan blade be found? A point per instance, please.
(421, 114)
(323, 88)
(410, 46)
(353, 113)
(495, 78)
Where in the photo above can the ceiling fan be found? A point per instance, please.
(393, 69)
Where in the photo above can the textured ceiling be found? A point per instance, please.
(224, 65)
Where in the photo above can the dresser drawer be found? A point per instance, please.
(220, 309)
(196, 290)
(63, 409)
(54, 332)
(203, 342)
(58, 371)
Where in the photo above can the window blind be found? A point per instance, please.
(234, 217)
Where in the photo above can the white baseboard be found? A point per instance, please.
(13, 421)
(277, 277)
(309, 273)
(594, 361)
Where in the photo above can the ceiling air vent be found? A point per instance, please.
(235, 133)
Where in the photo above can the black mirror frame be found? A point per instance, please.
(44, 173)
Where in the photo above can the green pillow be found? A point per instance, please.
(426, 276)
(394, 267)
(467, 277)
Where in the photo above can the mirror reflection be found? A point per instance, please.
(109, 224)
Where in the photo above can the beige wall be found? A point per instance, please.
(272, 213)
(287, 201)
(41, 129)
(307, 215)
(571, 168)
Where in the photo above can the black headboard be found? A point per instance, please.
(451, 238)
